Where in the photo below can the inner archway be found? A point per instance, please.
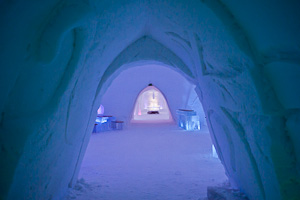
(151, 106)
(153, 160)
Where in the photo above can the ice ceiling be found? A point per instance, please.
(57, 58)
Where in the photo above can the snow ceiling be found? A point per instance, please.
(59, 57)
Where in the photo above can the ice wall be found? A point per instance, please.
(57, 58)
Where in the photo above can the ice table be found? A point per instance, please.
(103, 123)
(188, 119)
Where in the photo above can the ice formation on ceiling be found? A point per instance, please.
(59, 57)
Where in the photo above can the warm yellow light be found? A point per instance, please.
(153, 100)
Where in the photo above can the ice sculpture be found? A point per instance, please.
(188, 119)
(100, 111)
(214, 151)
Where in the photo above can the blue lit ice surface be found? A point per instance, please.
(188, 120)
(103, 123)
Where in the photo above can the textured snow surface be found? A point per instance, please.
(148, 162)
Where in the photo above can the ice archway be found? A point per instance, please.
(120, 96)
(151, 105)
(53, 72)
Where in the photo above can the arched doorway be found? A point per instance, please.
(150, 156)
(151, 106)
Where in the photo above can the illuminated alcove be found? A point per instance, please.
(151, 106)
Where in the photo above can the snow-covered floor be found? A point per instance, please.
(148, 162)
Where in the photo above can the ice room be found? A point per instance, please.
(226, 70)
